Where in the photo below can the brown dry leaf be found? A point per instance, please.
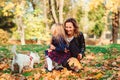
(85, 61)
(91, 69)
(90, 56)
(37, 76)
(6, 77)
(2, 78)
(27, 69)
(57, 74)
(118, 73)
(118, 78)
(94, 70)
(20, 78)
(86, 69)
(106, 62)
(66, 72)
(48, 75)
(4, 66)
(30, 78)
(118, 59)
(114, 63)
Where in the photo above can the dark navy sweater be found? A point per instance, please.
(77, 45)
(60, 45)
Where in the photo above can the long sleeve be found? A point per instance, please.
(77, 45)
(59, 46)
(82, 43)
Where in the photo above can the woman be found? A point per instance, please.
(75, 38)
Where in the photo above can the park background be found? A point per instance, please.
(27, 24)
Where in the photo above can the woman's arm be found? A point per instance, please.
(82, 46)
(82, 42)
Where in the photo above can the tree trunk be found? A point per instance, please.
(20, 24)
(22, 36)
(33, 4)
(115, 27)
(45, 15)
(21, 29)
(53, 10)
(61, 4)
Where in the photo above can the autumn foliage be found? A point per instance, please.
(96, 66)
(4, 36)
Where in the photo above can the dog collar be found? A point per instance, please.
(31, 58)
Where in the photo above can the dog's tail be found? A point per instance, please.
(13, 50)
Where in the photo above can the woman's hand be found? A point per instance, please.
(52, 47)
(79, 57)
(66, 50)
(49, 50)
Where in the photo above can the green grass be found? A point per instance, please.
(97, 49)
(5, 51)
(40, 49)
(103, 49)
(7, 71)
(27, 74)
(34, 48)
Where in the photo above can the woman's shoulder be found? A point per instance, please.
(80, 34)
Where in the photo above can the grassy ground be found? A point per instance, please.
(100, 63)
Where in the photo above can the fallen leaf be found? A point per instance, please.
(37, 76)
(6, 77)
(4, 66)
(98, 76)
(90, 56)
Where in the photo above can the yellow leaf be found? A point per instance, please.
(98, 76)
(2, 3)
(74, 63)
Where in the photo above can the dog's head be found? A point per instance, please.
(36, 57)
(75, 64)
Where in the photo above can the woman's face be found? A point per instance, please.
(69, 28)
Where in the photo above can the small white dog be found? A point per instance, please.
(23, 60)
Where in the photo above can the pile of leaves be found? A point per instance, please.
(96, 66)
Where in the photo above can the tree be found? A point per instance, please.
(20, 11)
(54, 11)
(56, 7)
(45, 14)
(113, 6)
(110, 6)
(6, 21)
(97, 17)
(115, 28)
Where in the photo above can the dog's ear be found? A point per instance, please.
(13, 50)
